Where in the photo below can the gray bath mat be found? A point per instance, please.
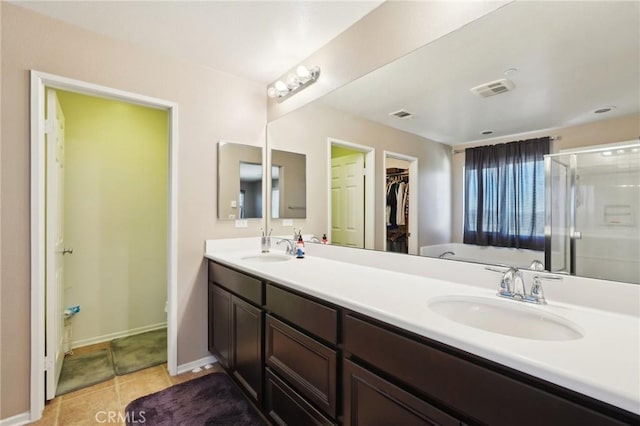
(140, 351)
(81, 371)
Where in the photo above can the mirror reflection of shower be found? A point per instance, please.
(593, 199)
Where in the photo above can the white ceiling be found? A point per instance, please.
(260, 40)
(572, 58)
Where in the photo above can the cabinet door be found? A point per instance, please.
(371, 400)
(246, 323)
(308, 365)
(219, 324)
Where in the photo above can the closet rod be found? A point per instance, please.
(461, 151)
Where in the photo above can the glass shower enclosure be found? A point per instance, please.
(591, 208)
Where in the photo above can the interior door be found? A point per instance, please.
(54, 139)
(347, 200)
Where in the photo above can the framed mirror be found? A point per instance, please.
(240, 186)
(288, 185)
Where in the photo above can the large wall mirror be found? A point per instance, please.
(572, 74)
(240, 186)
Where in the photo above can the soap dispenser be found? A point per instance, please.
(300, 247)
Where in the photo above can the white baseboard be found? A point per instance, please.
(17, 420)
(117, 335)
(183, 368)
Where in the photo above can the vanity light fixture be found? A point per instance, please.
(295, 82)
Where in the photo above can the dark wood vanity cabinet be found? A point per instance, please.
(236, 326)
(308, 362)
(465, 386)
(302, 359)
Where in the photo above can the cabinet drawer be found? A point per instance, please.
(285, 407)
(309, 366)
(313, 317)
(478, 393)
(369, 399)
(243, 285)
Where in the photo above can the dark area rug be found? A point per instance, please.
(140, 351)
(213, 399)
(80, 371)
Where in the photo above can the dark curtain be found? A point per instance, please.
(504, 194)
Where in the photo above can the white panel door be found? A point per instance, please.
(347, 200)
(55, 243)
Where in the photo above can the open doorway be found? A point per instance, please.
(47, 339)
(112, 209)
(351, 194)
(400, 203)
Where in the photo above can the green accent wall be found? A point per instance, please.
(116, 215)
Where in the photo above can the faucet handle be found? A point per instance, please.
(507, 283)
(536, 295)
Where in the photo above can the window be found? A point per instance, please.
(504, 194)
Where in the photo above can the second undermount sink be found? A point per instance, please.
(268, 257)
(505, 317)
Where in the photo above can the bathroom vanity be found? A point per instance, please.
(318, 341)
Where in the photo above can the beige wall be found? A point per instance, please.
(596, 133)
(115, 215)
(212, 106)
(307, 130)
(3, 321)
(390, 31)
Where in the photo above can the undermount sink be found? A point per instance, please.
(504, 317)
(268, 257)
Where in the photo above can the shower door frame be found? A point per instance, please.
(572, 169)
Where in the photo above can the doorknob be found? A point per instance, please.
(66, 251)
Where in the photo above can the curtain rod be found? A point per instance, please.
(461, 151)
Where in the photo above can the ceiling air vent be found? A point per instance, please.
(401, 114)
(493, 88)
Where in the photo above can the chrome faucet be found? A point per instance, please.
(512, 286)
(291, 246)
(315, 239)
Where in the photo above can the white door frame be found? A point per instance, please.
(413, 198)
(39, 81)
(369, 188)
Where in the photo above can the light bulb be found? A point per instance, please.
(303, 72)
(606, 153)
(292, 81)
(280, 86)
(272, 92)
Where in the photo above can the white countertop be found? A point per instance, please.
(604, 364)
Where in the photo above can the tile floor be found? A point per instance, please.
(104, 403)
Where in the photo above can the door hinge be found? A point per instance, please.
(48, 126)
(48, 363)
